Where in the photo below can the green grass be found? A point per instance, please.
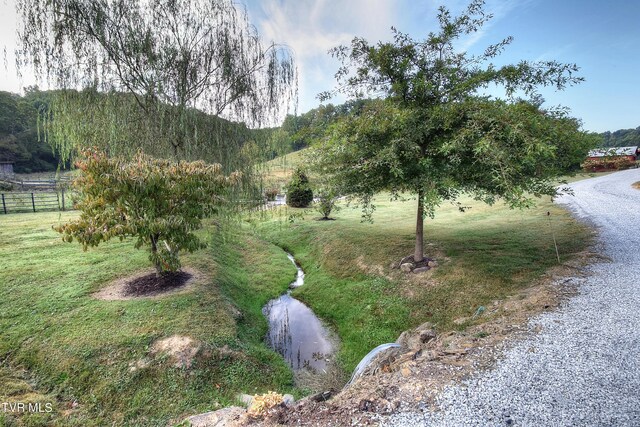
(485, 254)
(579, 176)
(277, 172)
(75, 347)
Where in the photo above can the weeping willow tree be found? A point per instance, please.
(156, 73)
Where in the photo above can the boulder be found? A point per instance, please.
(432, 264)
(421, 270)
(288, 400)
(407, 267)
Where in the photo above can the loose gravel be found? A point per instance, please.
(583, 368)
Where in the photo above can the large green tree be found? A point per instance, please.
(434, 134)
(174, 58)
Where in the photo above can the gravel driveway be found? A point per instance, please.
(583, 369)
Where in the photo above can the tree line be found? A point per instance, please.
(20, 141)
(620, 138)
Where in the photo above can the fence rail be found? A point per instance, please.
(35, 201)
(36, 184)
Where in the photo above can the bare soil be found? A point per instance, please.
(146, 284)
(181, 350)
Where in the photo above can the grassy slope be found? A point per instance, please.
(485, 254)
(79, 348)
(278, 171)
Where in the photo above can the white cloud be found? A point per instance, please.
(9, 79)
(312, 27)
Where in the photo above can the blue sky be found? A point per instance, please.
(602, 37)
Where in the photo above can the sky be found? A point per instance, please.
(601, 37)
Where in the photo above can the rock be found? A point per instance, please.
(407, 259)
(406, 267)
(403, 339)
(421, 270)
(288, 400)
(455, 351)
(365, 405)
(246, 399)
(232, 416)
(321, 397)
(432, 264)
(417, 338)
(405, 372)
(427, 335)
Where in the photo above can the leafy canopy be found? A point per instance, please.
(434, 134)
(159, 202)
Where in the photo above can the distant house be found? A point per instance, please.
(630, 152)
(6, 168)
(611, 158)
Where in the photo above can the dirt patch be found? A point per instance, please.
(636, 185)
(181, 350)
(411, 378)
(372, 269)
(145, 284)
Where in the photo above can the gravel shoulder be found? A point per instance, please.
(579, 365)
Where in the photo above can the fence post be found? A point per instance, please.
(4, 206)
(63, 208)
(33, 202)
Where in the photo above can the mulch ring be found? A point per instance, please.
(146, 284)
(153, 284)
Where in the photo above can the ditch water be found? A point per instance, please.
(295, 332)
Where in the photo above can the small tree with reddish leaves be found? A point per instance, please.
(159, 202)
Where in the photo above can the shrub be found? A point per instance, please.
(159, 202)
(608, 163)
(327, 202)
(299, 193)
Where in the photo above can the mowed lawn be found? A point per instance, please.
(485, 254)
(59, 344)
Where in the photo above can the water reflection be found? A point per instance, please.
(295, 332)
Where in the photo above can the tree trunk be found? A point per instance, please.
(154, 250)
(418, 254)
